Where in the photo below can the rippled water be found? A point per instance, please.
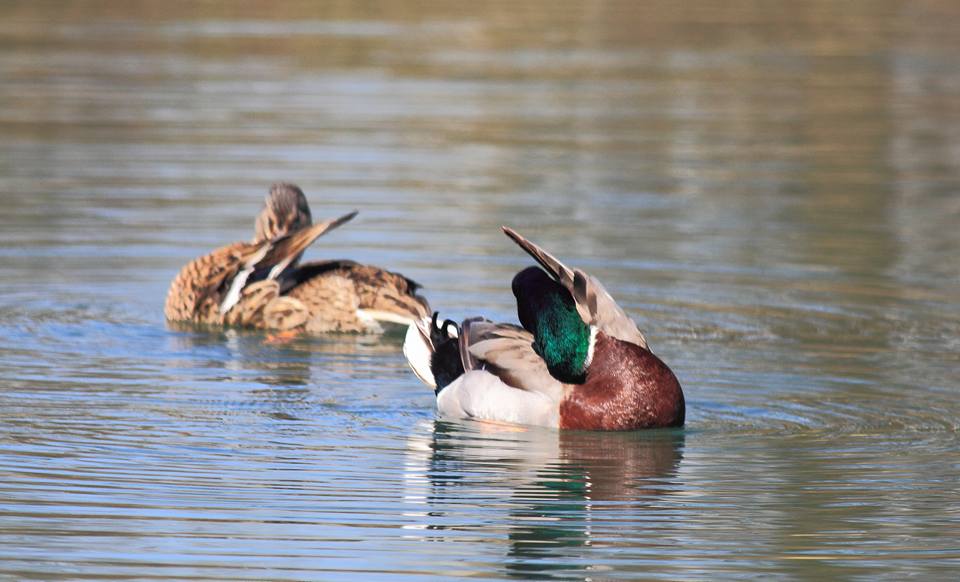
(771, 189)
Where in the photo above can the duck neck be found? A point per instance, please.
(547, 310)
(563, 340)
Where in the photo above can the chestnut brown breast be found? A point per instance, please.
(627, 388)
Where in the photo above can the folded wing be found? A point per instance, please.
(506, 351)
(272, 257)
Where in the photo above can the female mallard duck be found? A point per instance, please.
(578, 362)
(261, 283)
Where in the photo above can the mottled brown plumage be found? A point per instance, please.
(335, 291)
(260, 284)
(285, 210)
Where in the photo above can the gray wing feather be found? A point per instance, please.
(468, 331)
(594, 304)
(506, 351)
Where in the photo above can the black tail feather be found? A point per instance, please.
(445, 361)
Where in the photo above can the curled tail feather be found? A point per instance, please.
(433, 352)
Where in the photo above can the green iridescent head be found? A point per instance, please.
(547, 311)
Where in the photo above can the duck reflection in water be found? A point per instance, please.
(552, 485)
(283, 381)
(238, 355)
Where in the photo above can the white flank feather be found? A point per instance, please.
(233, 295)
(480, 395)
(370, 322)
(384, 316)
(418, 352)
(278, 268)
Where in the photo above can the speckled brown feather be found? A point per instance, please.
(331, 302)
(317, 297)
(198, 288)
(383, 290)
(333, 291)
(254, 299)
(285, 314)
(285, 210)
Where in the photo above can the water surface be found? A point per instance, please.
(770, 189)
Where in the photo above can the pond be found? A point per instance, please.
(772, 190)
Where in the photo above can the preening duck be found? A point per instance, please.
(262, 284)
(577, 361)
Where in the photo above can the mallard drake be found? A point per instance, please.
(577, 361)
(262, 284)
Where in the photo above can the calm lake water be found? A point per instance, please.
(772, 189)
